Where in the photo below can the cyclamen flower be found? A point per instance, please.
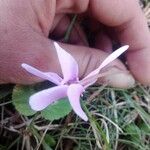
(69, 86)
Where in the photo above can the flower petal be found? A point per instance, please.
(68, 64)
(42, 99)
(74, 92)
(53, 77)
(108, 59)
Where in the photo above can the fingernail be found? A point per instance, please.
(119, 78)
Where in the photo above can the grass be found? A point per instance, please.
(118, 120)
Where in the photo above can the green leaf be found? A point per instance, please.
(57, 110)
(49, 140)
(134, 132)
(20, 99)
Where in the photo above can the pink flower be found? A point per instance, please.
(69, 86)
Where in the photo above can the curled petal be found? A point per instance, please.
(53, 77)
(108, 60)
(113, 56)
(74, 92)
(68, 64)
(42, 99)
(92, 79)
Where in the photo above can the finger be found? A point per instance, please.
(88, 59)
(113, 13)
(130, 26)
(139, 54)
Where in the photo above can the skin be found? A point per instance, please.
(25, 26)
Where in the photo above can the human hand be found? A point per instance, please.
(25, 26)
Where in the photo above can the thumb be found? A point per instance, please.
(39, 52)
(88, 59)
